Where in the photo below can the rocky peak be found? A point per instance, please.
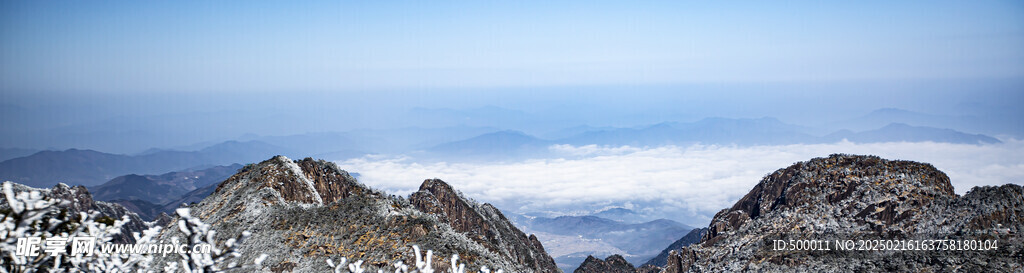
(330, 182)
(612, 264)
(875, 191)
(303, 212)
(850, 196)
(483, 223)
(437, 197)
(306, 181)
(77, 197)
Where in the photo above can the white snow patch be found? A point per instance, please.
(297, 171)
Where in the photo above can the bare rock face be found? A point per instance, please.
(866, 190)
(859, 197)
(301, 213)
(77, 199)
(482, 223)
(612, 264)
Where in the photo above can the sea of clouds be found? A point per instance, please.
(687, 184)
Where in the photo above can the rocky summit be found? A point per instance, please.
(859, 198)
(301, 213)
(612, 264)
(482, 223)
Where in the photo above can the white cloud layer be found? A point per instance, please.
(687, 183)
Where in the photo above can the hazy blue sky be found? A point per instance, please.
(143, 46)
(194, 71)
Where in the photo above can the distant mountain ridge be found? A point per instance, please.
(496, 145)
(90, 168)
(763, 131)
(160, 189)
(899, 132)
(719, 131)
(988, 125)
(600, 236)
(150, 195)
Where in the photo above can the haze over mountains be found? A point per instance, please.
(179, 121)
(89, 168)
(630, 185)
(885, 125)
(493, 134)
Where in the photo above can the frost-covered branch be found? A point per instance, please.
(199, 233)
(422, 265)
(32, 219)
(25, 219)
(35, 237)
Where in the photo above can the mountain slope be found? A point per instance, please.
(146, 210)
(136, 187)
(690, 238)
(194, 196)
(317, 211)
(160, 189)
(496, 145)
(859, 197)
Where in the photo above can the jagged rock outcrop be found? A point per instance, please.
(612, 264)
(302, 212)
(859, 197)
(77, 199)
(482, 223)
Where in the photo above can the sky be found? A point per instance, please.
(245, 46)
(258, 66)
